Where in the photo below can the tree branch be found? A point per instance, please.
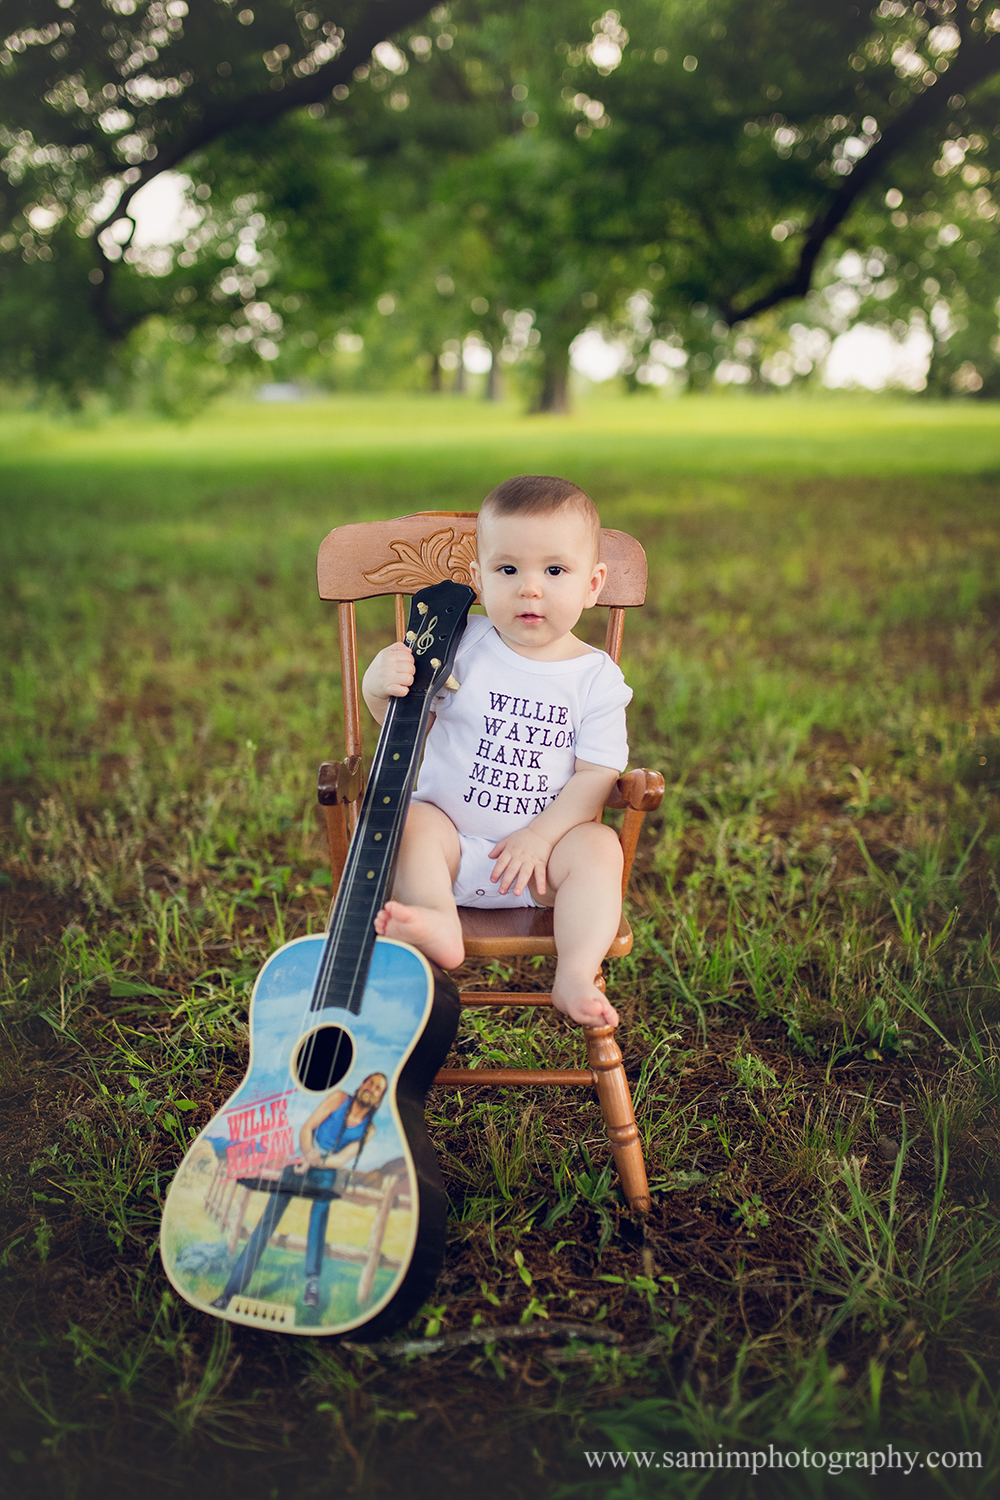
(261, 109)
(382, 21)
(967, 71)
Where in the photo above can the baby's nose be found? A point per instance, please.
(530, 586)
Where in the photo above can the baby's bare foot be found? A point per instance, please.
(434, 933)
(583, 1002)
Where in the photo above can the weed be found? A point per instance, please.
(752, 1072)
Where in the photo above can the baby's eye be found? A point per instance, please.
(555, 570)
(508, 570)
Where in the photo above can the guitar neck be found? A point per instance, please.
(371, 859)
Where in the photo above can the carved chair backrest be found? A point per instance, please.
(373, 558)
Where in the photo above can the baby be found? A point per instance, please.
(520, 760)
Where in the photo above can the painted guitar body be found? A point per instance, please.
(312, 1203)
(384, 1234)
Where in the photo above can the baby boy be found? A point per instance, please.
(520, 760)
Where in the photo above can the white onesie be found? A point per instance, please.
(506, 743)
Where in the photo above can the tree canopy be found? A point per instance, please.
(687, 173)
(101, 97)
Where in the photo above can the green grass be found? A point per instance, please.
(810, 1015)
(722, 434)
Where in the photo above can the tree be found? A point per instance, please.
(657, 155)
(716, 155)
(929, 261)
(503, 195)
(740, 200)
(101, 96)
(539, 272)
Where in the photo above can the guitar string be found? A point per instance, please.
(335, 935)
(355, 854)
(355, 859)
(396, 710)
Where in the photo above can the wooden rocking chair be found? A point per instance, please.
(399, 557)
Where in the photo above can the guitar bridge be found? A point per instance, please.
(269, 1314)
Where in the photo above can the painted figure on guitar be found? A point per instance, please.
(333, 1135)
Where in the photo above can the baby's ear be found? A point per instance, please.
(598, 580)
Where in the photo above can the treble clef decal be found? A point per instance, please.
(425, 639)
(422, 643)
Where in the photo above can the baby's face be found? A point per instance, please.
(535, 576)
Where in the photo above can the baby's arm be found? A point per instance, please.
(525, 853)
(389, 676)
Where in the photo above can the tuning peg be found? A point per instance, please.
(409, 637)
(452, 685)
(421, 607)
(435, 662)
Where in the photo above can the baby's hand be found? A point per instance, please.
(391, 673)
(520, 857)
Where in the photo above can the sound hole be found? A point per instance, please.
(323, 1058)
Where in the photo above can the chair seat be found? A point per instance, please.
(522, 932)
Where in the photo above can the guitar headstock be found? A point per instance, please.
(433, 630)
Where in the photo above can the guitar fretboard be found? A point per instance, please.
(371, 858)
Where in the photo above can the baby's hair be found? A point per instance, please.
(541, 495)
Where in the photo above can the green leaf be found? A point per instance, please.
(124, 989)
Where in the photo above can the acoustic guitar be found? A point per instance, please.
(312, 1203)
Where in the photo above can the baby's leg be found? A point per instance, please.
(422, 910)
(585, 871)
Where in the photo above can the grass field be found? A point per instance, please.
(811, 1017)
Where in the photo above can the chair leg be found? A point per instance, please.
(605, 1058)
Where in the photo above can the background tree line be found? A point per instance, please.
(372, 188)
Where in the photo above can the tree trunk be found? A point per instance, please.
(435, 375)
(553, 395)
(458, 384)
(494, 386)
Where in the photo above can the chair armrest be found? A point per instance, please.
(642, 791)
(340, 781)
